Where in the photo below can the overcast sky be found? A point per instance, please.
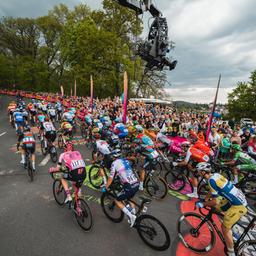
(211, 37)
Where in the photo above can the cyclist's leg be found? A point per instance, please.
(232, 216)
(194, 181)
(22, 154)
(235, 171)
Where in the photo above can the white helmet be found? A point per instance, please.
(203, 167)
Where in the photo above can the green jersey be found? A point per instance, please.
(243, 158)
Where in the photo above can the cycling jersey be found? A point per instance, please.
(196, 155)
(72, 160)
(120, 130)
(68, 116)
(103, 147)
(52, 112)
(41, 118)
(48, 126)
(123, 169)
(18, 116)
(243, 158)
(220, 186)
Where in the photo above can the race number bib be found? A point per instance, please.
(77, 164)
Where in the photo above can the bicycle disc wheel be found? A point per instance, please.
(248, 186)
(175, 182)
(84, 217)
(196, 238)
(110, 208)
(153, 232)
(53, 154)
(95, 178)
(247, 248)
(156, 187)
(43, 149)
(59, 192)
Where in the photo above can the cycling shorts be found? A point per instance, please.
(128, 191)
(246, 167)
(232, 213)
(50, 135)
(19, 124)
(31, 147)
(78, 176)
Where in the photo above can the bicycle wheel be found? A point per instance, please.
(153, 232)
(53, 154)
(30, 170)
(175, 182)
(43, 149)
(110, 208)
(84, 217)
(247, 248)
(59, 192)
(156, 187)
(95, 178)
(248, 186)
(60, 142)
(195, 234)
(203, 191)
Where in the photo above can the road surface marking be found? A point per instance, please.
(45, 160)
(3, 133)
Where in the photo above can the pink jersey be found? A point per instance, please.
(72, 159)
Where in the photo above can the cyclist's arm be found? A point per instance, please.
(111, 175)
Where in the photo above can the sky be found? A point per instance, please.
(211, 38)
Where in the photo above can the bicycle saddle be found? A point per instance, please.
(145, 200)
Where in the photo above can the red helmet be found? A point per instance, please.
(68, 147)
(46, 119)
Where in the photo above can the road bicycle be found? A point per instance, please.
(78, 205)
(150, 229)
(48, 147)
(197, 233)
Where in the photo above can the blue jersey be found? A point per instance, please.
(220, 186)
(41, 118)
(18, 116)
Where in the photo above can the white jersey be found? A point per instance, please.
(52, 112)
(48, 126)
(103, 147)
(163, 138)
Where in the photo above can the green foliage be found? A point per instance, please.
(242, 100)
(43, 53)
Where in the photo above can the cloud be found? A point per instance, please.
(211, 37)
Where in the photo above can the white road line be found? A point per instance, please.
(3, 133)
(45, 160)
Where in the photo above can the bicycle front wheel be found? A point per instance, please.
(53, 154)
(59, 192)
(30, 171)
(95, 178)
(156, 187)
(110, 208)
(247, 248)
(153, 232)
(194, 233)
(175, 182)
(84, 215)
(248, 186)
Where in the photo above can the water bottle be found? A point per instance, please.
(236, 232)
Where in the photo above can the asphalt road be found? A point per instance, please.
(31, 223)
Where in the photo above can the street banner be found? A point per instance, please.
(75, 88)
(91, 100)
(213, 110)
(125, 97)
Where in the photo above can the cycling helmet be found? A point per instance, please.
(203, 167)
(236, 147)
(139, 128)
(68, 147)
(26, 128)
(116, 153)
(96, 133)
(46, 119)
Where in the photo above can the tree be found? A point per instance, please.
(242, 100)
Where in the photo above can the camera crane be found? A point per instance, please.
(155, 48)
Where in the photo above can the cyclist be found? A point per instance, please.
(49, 131)
(52, 113)
(40, 119)
(122, 169)
(75, 166)
(18, 119)
(11, 108)
(225, 197)
(28, 143)
(145, 146)
(241, 161)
